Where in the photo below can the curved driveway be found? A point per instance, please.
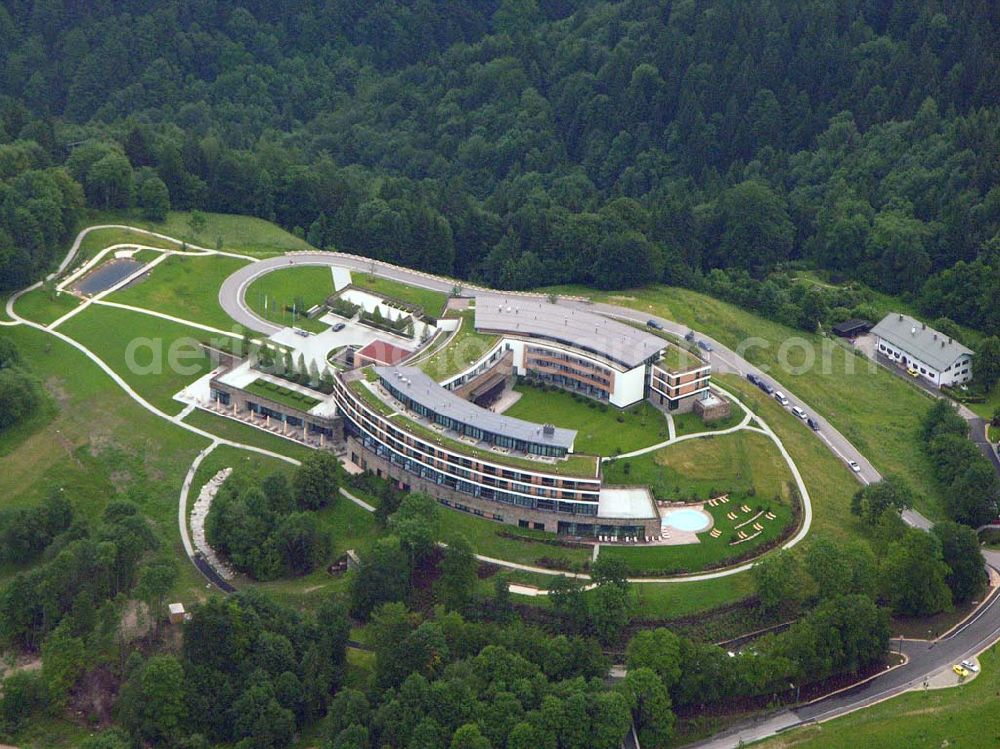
(925, 658)
(723, 359)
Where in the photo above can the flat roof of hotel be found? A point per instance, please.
(425, 391)
(583, 330)
(631, 502)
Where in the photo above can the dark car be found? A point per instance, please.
(689, 337)
(654, 325)
(813, 424)
(766, 387)
(705, 345)
(753, 378)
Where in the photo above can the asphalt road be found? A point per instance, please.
(924, 659)
(722, 358)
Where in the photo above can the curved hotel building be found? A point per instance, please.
(402, 424)
(437, 437)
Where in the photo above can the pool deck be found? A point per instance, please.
(677, 537)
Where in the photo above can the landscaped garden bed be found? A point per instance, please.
(282, 395)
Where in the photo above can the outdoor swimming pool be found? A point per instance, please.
(686, 519)
(107, 275)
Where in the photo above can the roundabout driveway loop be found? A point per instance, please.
(232, 295)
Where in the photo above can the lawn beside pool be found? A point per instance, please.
(45, 306)
(186, 287)
(741, 462)
(653, 561)
(273, 295)
(602, 429)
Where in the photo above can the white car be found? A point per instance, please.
(798, 412)
(970, 666)
(780, 397)
(854, 466)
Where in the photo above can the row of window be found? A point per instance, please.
(480, 368)
(536, 358)
(458, 468)
(467, 487)
(225, 399)
(473, 431)
(571, 383)
(591, 530)
(923, 370)
(680, 391)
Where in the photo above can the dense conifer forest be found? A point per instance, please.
(561, 141)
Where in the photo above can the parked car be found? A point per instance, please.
(854, 466)
(970, 666)
(958, 669)
(912, 372)
(766, 386)
(705, 346)
(780, 397)
(813, 424)
(654, 325)
(339, 327)
(753, 378)
(301, 332)
(689, 336)
(799, 412)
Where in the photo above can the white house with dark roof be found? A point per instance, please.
(923, 350)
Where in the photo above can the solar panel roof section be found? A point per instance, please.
(586, 331)
(425, 391)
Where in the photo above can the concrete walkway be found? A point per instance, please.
(674, 439)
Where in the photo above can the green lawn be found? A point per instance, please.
(654, 561)
(431, 302)
(691, 423)
(740, 462)
(670, 600)
(601, 429)
(964, 716)
(874, 409)
(465, 349)
(526, 548)
(273, 295)
(45, 306)
(98, 446)
(244, 234)
(829, 481)
(158, 358)
(186, 287)
(100, 239)
(283, 395)
(676, 359)
(575, 465)
(245, 434)
(987, 409)
(46, 732)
